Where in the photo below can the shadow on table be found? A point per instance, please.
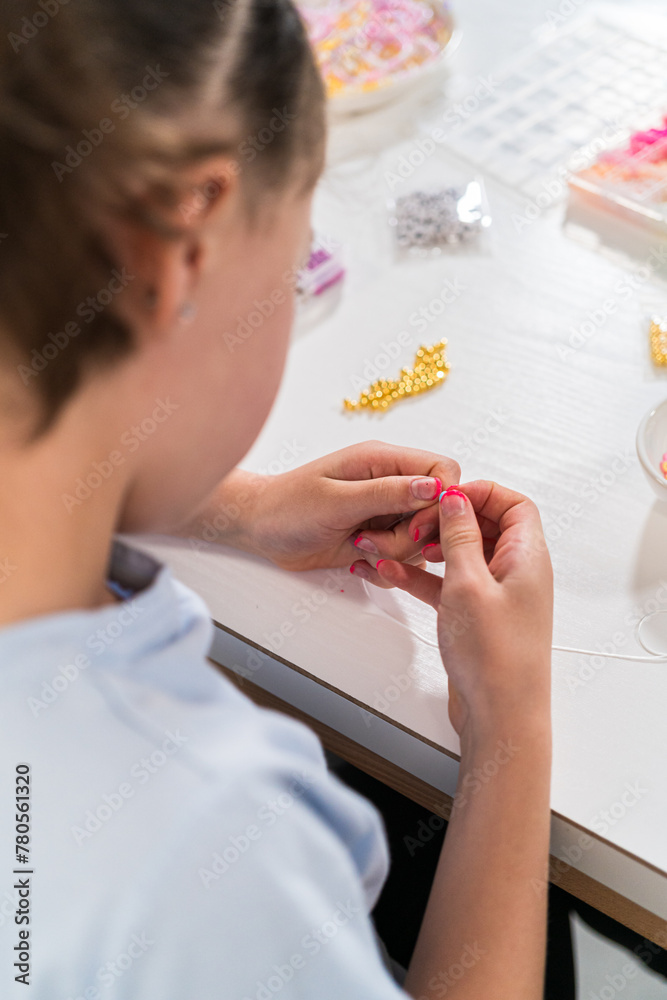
(651, 563)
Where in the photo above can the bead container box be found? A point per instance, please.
(631, 179)
(370, 51)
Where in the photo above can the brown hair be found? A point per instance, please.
(100, 101)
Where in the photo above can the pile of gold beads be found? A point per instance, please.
(658, 335)
(430, 369)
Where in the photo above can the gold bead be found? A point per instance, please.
(431, 367)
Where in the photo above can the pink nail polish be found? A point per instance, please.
(366, 545)
(451, 492)
(377, 565)
(416, 535)
(426, 488)
(352, 568)
(362, 572)
(431, 545)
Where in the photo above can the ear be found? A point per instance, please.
(164, 261)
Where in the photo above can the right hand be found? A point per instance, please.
(494, 607)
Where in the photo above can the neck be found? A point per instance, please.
(55, 531)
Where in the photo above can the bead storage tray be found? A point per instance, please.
(630, 179)
(560, 102)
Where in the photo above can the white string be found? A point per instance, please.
(653, 658)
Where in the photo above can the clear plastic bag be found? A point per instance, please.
(429, 219)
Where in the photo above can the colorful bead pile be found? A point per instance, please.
(363, 44)
(430, 369)
(658, 338)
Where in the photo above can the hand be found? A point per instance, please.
(310, 517)
(494, 605)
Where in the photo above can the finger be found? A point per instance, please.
(362, 570)
(432, 552)
(500, 505)
(375, 459)
(420, 583)
(518, 519)
(489, 545)
(460, 537)
(397, 543)
(425, 525)
(488, 527)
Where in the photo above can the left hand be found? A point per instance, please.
(308, 518)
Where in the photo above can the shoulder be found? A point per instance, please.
(263, 894)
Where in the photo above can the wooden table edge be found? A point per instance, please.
(585, 888)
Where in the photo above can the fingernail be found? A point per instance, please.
(360, 571)
(377, 565)
(451, 492)
(431, 545)
(425, 489)
(366, 545)
(416, 535)
(453, 501)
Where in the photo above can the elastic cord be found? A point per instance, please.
(653, 658)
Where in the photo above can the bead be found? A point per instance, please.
(658, 340)
(430, 369)
(428, 219)
(362, 46)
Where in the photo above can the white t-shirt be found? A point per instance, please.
(183, 842)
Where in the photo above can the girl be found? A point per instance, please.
(157, 161)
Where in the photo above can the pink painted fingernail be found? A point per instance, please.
(431, 545)
(451, 492)
(377, 565)
(360, 571)
(366, 545)
(415, 537)
(425, 489)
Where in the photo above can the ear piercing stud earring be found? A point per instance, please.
(187, 312)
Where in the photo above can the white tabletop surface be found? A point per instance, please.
(521, 406)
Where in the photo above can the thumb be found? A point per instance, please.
(460, 537)
(361, 500)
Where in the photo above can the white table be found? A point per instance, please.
(524, 404)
